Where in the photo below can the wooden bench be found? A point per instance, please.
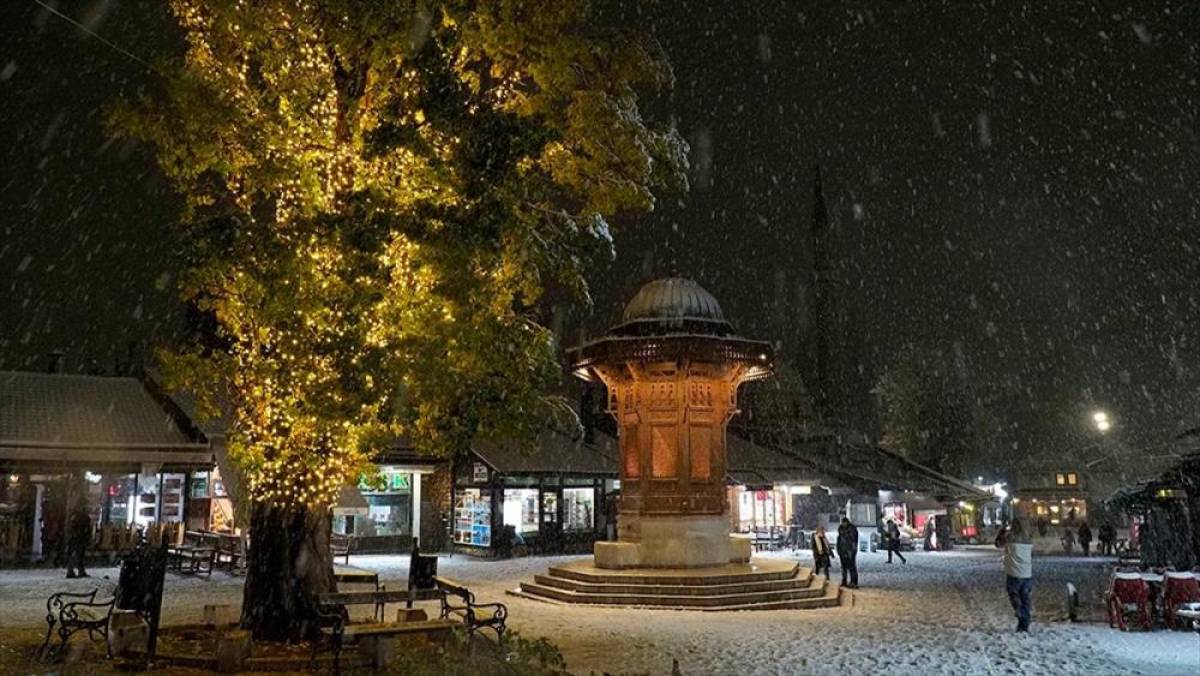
(334, 614)
(341, 545)
(458, 601)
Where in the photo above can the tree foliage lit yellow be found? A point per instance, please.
(377, 195)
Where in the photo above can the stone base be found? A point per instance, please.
(673, 542)
(127, 634)
(233, 648)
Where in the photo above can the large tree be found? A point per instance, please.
(377, 194)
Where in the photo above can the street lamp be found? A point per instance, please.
(1102, 422)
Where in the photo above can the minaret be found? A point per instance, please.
(823, 306)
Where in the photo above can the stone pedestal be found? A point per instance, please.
(127, 633)
(220, 615)
(411, 615)
(380, 650)
(673, 542)
(233, 649)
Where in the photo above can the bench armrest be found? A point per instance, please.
(70, 611)
(56, 600)
(501, 609)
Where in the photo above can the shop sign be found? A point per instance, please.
(481, 472)
(384, 482)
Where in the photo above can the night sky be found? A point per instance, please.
(1012, 182)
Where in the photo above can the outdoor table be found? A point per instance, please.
(196, 555)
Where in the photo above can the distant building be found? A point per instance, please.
(1054, 494)
(135, 454)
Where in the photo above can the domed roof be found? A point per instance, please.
(672, 319)
(675, 303)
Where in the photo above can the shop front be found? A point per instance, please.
(383, 512)
(549, 499)
(117, 443)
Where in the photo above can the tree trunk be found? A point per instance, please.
(289, 563)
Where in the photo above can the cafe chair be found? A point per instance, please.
(1128, 593)
(1178, 589)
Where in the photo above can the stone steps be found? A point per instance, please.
(568, 584)
(826, 596)
(732, 574)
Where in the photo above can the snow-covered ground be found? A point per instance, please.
(942, 613)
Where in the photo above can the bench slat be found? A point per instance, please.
(362, 597)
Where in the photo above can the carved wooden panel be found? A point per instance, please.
(700, 445)
(629, 452)
(664, 453)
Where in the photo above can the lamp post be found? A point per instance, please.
(1103, 424)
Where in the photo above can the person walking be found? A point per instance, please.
(795, 535)
(1018, 570)
(847, 551)
(1068, 541)
(1085, 538)
(821, 551)
(79, 536)
(893, 541)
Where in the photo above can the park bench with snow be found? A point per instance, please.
(459, 602)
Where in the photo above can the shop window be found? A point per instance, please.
(390, 513)
(521, 509)
(388, 493)
(200, 486)
(172, 498)
(550, 507)
(896, 512)
(579, 508)
(473, 517)
(862, 512)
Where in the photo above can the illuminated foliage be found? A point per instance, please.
(377, 194)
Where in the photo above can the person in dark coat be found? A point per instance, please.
(929, 534)
(821, 551)
(847, 551)
(79, 536)
(893, 541)
(1085, 538)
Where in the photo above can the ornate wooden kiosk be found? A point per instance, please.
(672, 368)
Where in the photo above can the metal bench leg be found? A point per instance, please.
(44, 650)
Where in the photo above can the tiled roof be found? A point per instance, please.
(555, 452)
(750, 463)
(67, 411)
